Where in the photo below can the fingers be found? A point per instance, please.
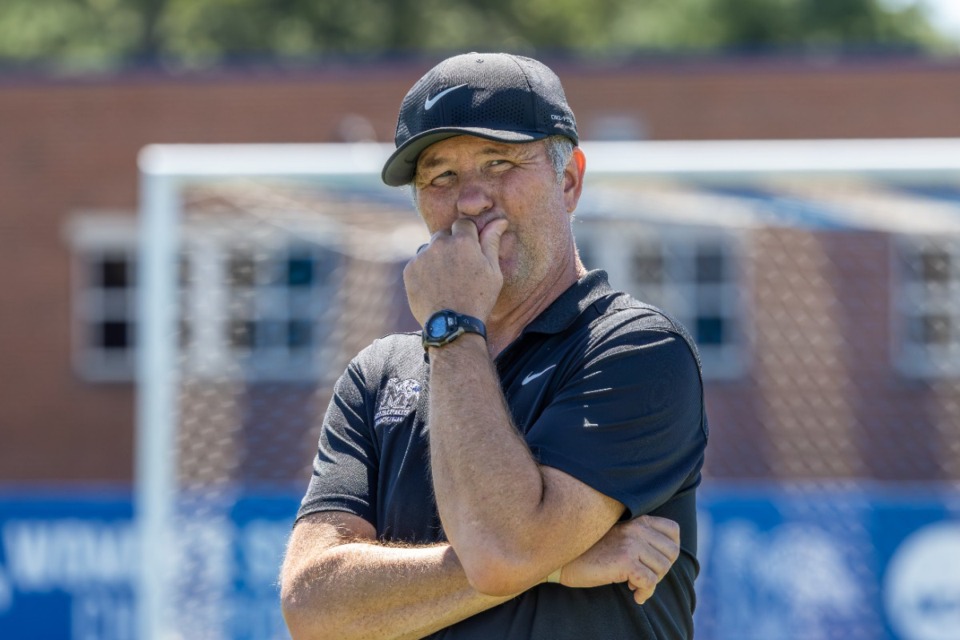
(663, 525)
(646, 574)
(427, 245)
(464, 227)
(661, 538)
(662, 534)
(458, 269)
(642, 595)
(657, 562)
(643, 582)
(490, 239)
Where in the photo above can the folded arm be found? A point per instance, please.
(511, 520)
(337, 581)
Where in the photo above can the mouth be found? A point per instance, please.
(483, 222)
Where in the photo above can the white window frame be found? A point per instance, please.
(92, 235)
(612, 243)
(206, 349)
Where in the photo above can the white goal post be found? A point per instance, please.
(167, 170)
(164, 171)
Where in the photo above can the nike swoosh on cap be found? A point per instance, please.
(432, 101)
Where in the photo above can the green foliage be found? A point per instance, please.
(76, 33)
(97, 34)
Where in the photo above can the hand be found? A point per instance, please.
(638, 552)
(459, 270)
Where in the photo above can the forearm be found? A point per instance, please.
(490, 491)
(366, 590)
(511, 520)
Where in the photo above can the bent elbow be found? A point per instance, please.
(497, 575)
(305, 614)
(298, 625)
(299, 618)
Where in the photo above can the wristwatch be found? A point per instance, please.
(445, 326)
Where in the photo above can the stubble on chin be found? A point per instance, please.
(521, 269)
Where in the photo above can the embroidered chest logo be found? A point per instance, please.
(397, 400)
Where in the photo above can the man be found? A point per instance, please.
(494, 477)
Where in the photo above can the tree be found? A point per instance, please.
(99, 34)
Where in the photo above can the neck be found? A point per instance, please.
(516, 309)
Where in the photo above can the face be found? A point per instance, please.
(470, 177)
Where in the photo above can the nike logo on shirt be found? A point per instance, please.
(432, 101)
(533, 376)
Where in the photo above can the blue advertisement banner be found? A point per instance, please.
(785, 563)
(841, 562)
(67, 565)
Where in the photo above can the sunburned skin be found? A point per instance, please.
(482, 224)
(506, 202)
(436, 170)
(431, 165)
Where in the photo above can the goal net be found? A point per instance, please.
(821, 280)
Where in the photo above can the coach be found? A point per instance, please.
(501, 473)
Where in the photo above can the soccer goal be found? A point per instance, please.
(821, 280)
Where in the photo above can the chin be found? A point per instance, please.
(510, 277)
(508, 256)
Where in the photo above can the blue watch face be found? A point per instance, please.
(437, 327)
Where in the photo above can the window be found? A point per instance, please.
(104, 303)
(276, 304)
(692, 275)
(247, 311)
(927, 305)
(109, 300)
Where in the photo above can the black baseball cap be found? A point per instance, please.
(498, 96)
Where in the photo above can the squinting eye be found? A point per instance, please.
(441, 178)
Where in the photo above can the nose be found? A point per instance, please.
(474, 197)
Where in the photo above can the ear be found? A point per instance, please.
(573, 179)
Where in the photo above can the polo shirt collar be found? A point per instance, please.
(575, 300)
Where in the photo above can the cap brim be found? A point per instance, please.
(401, 166)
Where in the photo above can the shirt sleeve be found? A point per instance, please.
(629, 420)
(344, 470)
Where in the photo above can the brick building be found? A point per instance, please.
(67, 155)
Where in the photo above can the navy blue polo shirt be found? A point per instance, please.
(602, 387)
